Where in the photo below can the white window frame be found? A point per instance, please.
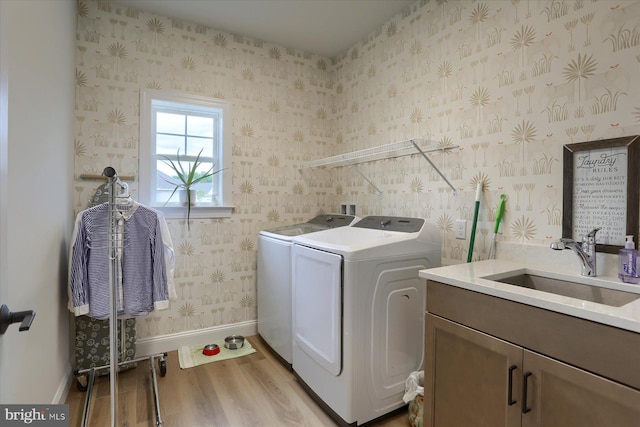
(148, 157)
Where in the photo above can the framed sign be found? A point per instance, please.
(601, 185)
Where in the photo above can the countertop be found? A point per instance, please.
(470, 276)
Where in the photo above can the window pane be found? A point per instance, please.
(194, 145)
(166, 177)
(203, 168)
(170, 123)
(200, 126)
(165, 173)
(204, 188)
(164, 182)
(169, 145)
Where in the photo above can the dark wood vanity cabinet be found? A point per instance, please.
(484, 368)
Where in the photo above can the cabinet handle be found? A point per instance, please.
(525, 381)
(510, 400)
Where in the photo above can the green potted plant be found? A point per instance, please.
(187, 178)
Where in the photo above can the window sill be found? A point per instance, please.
(197, 212)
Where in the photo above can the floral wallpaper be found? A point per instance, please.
(506, 83)
(281, 102)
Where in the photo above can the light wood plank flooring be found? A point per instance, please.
(254, 390)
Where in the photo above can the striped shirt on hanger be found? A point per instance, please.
(143, 285)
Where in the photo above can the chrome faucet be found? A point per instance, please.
(585, 251)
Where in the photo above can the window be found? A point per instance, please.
(181, 128)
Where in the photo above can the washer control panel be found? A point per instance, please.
(391, 223)
(332, 220)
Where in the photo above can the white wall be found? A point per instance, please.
(37, 52)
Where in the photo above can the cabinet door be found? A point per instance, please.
(467, 377)
(560, 395)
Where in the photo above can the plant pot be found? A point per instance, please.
(182, 196)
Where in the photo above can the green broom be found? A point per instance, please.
(499, 214)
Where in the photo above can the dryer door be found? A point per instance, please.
(317, 306)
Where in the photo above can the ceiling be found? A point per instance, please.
(323, 27)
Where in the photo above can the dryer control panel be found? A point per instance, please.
(391, 223)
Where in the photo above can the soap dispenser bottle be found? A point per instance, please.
(627, 267)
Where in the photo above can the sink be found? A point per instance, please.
(567, 288)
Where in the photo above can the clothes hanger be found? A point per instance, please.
(123, 199)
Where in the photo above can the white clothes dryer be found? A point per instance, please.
(358, 313)
(274, 279)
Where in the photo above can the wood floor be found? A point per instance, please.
(254, 390)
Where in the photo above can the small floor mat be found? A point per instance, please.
(192, 356)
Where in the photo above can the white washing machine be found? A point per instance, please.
(358, 313)
(274, 279)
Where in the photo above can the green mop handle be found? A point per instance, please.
(475, 222)
(499, 213)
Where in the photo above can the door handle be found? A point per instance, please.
(25, 318)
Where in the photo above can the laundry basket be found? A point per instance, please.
(414, 395)
(92, 345)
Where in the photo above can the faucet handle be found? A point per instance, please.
(590, 238)
(593, 232)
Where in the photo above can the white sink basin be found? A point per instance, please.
(569, 288)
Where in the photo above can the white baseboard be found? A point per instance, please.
(164, 343)
(63, 389)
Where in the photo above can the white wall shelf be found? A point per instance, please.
(382, 152)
